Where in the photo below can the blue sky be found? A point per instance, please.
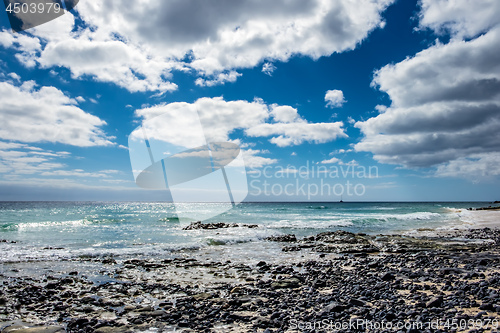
(409, 88)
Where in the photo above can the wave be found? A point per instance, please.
(48, 224)
(104, 220)
(15, 254)
(400, 217)
(453, 210)
(416, 216)
(310, 224)
(480, 217)
(69, 223)
(8, 227)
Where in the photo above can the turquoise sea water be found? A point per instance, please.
(65, 230)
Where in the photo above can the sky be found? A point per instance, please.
(364, 100)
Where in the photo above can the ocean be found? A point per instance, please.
(62, 231)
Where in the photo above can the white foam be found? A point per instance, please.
(49, 224)
(311, 223)
(415, 216)
(480, 218)
(453, 210)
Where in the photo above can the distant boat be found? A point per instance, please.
(341, 199)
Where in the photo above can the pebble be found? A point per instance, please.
(412, 279)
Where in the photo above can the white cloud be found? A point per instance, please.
(80, 99)
(285, 114)
(474, 167)
(379, 108)
(341, 151)
(22, 164)
(45, 114)
(6, 39)
(15, 76)
(352, 162)
(180, 126)
(28, 48)
(296, 133)
(78, 173)
(20, 42)
(12, 145)
(461, 18)
(334, 98)
(70, 184)
(89, 53)
(21, 159)
(290, 129)
(446, 99)
(332, 160)
(137, 47)
(253, 160)
(218, 79)
(109, 61)
(268, 68)
(220, 118)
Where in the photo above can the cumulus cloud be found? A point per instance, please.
(334, 98)
(90, 53)
(46, 114)
(218, 79)
(332, 160)
(296, 133)
(474, 167)
(445, 109)
(289, 129)
(461, 18)
(15, 76)
(27, 47)
(217, 119)
(285, 114)
(220, 118)
(138, 47)
(109, 61)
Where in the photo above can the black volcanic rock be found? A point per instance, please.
(282, 238)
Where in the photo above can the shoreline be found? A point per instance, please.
(337, 277)
(489, 218)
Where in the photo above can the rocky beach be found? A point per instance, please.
(339, 282)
